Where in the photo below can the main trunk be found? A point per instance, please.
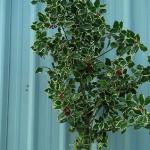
(85, 142)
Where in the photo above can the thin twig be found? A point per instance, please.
(105, 52)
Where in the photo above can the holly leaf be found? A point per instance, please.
(143, 48)
(97, 3)
(71, 120)
(148, 57)
(141, 99)
(39, 70)
(147, 100)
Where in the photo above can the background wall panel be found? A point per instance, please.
(28, 121)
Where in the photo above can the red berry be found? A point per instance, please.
(98, 14)
(67, 111)
(135, 44)
(142, 110)
(62, 93)
(55, 26)
(89, 68)
(108, 34)
(88, 63)
(51, 26)
(137, 107)
(60, 97)
(73, 38)
(119, 73)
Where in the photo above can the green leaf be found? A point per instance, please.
(101, 126)
(103, 11)
(147, 126)
(139, 119)
(68, 32)
(97, 3)
(81, 134)
(129, 96)
(141, 99)
(71, 120)
(128, 58)
(131, 120)
(140, 67)
(147, 100)
(100, 65)
(76, 74)
(33, 27)
(107, 61)
(76, 96)
(118, 106)
(138, 112)
(34, 2)
(58, 103)
(39, 70)
(145, 119)
(137, 127)
(69, 23)
(143, 48)
(123, 131)
(124, 51)
(87, 26)
(121, 24)
(58, 35)
(113, 45)
(102, 82)
(116, 24)
(80, 66)
(148, 57)
(52, 84)
(65, 50)
(131, 103)
(41, 16)
(57, 107)
(124, 125)
(61, 115)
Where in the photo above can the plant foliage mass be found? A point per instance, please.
(81, 37)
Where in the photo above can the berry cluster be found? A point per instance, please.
(52, 26)
(119, 73)
(140, 109)
(67, 111)
(89, 67)
(76, 26)
(61, 95)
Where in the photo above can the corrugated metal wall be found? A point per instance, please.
(27, 120)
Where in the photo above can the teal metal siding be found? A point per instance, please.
(28, 121)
